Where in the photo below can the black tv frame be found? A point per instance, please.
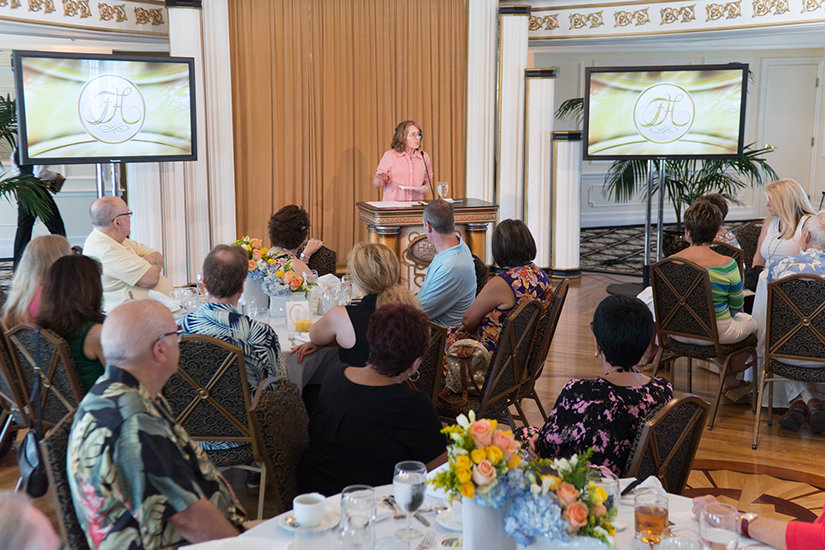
(639, 68)
(22, 142)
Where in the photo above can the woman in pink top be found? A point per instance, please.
(404, 166)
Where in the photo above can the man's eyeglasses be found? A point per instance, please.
(129, 213)
(178, 332)
(416, 134)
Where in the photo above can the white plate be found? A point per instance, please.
(330, 520)
(412, 188)
(449, 522)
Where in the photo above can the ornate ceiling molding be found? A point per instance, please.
(122, 16)
(550, 20)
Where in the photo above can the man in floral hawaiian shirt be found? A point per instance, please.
(137, 479)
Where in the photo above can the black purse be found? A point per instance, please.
(32, 469)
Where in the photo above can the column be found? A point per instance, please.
(477, 239)
(512, 61)
(538, 156)
(566, 204)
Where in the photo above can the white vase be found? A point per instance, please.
(254, 290)
(578, 543)
(483, 528)
(277, 308)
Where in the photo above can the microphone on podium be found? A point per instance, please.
(427, 173)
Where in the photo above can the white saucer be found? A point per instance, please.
(330, 520)
(449, 522)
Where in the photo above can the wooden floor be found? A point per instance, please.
(783, 478)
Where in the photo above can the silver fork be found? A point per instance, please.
(429, 540)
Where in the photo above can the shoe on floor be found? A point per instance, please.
(738, 393)
(795, 417)
(816, 416)
(253, 479)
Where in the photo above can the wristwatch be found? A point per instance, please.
(744, 522)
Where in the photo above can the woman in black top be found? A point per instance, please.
(366, 419)
(376, 271)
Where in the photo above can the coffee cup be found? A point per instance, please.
(309, 509)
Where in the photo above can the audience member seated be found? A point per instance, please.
(776, 533)
(130, 269)
(288, 231)
(723, 235)
(781, 235)
(450, 284)
(366, 419)
(224, 273)
(137, 479)
(514, 250)
(23, 302)
(24, 527)
(605, 413)
(806, 399)
(375, 270)
(72, 307)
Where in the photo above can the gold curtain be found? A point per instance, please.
(317, 89)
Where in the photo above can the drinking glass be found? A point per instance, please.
(608, 481)
(250, 308)
(719, 526)
(329, 300)
(443, 189)
(190, 300)
(650, 513)
(312, 276)
(346, 288)
(201, 287)
(357, 518)
(680, 538)
(408, 487)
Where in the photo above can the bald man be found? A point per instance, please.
(137, 479)
(128, 266)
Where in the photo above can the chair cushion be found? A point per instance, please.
(707, 352)
(223, 458)
(802, 374)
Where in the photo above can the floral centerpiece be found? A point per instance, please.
(540, 499)
(259, 258)
(274, 271)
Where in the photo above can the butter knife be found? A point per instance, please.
(421, 518)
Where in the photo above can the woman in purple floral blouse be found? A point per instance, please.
(605, 412)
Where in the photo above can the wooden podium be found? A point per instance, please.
(385, 224)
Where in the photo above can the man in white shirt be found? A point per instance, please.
(130, 269)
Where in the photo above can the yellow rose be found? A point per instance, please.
(494, 454)
(468, 490)
(513, 462)
(551, 481)
(264, 250)
(598, 494)
(271, 261)
(279, 273)
(478, 455)
(463, 462)
(464, 475)
(493, 424)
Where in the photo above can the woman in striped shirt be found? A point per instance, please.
(702, 221)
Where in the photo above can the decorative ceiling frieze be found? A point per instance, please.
(122, 16)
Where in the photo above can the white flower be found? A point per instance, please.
(462, 421)
(546, 481)
(561, 465)
(535, 489)
(602, 532)
(573, 460)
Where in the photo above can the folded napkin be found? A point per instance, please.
(328, 281)
(169, 302)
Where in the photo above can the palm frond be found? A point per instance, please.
(571, 109)
(31, 192)
(8, 121)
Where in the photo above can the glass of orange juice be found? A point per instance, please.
(302, 325)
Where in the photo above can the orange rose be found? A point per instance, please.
(576, 514)
(295, 283)
(567, 494)
(482, 433)
(256, 243)
(506, 442)
(599, 510)
(256, 254)
(287, 277)
(484, 472)
(251, 265)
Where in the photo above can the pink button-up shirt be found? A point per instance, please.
(405, 170)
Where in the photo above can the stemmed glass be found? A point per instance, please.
(443, 189)
(408, 487)
(719, 526)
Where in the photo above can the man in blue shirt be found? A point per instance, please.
(450, 284)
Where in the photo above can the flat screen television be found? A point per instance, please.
(689, 111)
(88, 108)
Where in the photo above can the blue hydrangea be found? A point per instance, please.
(532, 516)
(256, 275)
(274, 286)
(507, 485)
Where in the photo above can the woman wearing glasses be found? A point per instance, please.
(402, 173)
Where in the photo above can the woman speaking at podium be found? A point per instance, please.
(401, 173)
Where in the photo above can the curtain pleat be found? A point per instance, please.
(318, 87)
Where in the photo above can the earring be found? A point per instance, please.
(414, 376)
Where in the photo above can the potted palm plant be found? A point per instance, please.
(31, 192)
(685, 179)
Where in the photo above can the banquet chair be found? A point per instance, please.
(11, 394)
(507, 370)
(684, 307)
(324, 261)
(667, 440)
(430, 374)
(61, 390)
(280, 418)
(53, 449)
(796, 331)
(209, 397)
(731, 251)
(482, 273)
(546, 328)
(748, 237)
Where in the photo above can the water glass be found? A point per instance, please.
(719, 526)
(408, 487)
(201, 287)
(650, 514)
(347, 287)
(680, 538)
(443, 189)
(608, 481)
(357, 518)
(191, 300)
(329, 300)
(249, 308)
(312, 276)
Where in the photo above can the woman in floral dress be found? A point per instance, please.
(513, 249)
(605, 412)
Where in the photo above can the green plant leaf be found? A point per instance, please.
(31, 192)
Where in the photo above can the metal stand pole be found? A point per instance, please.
(100, 180)
(660, 229)
(115, 171)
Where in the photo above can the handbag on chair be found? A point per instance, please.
(33, 476)
(467, 362)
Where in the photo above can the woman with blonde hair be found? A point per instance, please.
(781, 234)
(23, 302)
(376, 271)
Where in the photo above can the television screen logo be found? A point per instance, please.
(111, 108)
(663, 113)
